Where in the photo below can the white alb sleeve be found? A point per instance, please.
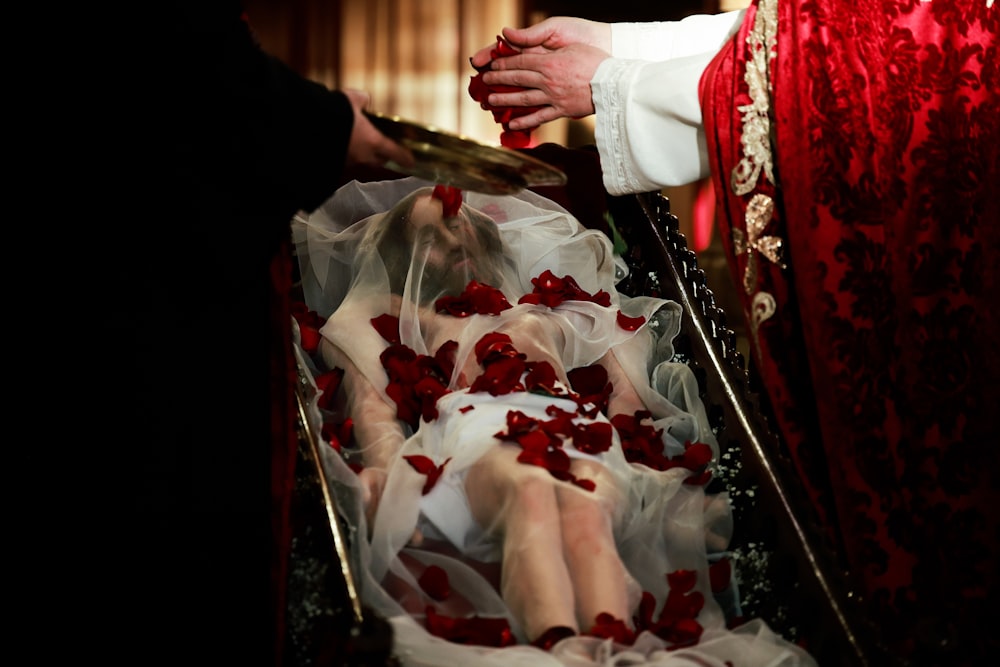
(648, 125)
(662, 40)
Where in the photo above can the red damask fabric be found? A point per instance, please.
(882, 356)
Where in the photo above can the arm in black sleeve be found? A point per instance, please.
(252, 125)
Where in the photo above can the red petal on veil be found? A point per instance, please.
(310, 323)
(551, 290)
(450, 198)
(387, 326)
(592, 438)
(475, 630)
(434, 582)
(677, 622)
(720, 574)
(630, 323)
(541, 378)
(328, 383)
(425, 466)
(492, 345)
(607, 626)
(682, 580)
(476, 298)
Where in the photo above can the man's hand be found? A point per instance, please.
(558, 82)
(367, 144)
(552, 34)
(372, 485)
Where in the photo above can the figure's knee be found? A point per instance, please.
(533, 498)
(586, 524)
(606, 495)
(501, 493)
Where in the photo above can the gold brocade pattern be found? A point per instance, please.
(759, 213)
(756, 139)
(757, 162)
(762, 308)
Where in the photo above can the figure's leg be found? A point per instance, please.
(519, 502)
(600, 579)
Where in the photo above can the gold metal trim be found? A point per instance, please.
(340, 543)
(461, 162)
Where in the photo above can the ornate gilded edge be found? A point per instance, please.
(459, 161)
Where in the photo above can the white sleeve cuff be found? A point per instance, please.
(648, 125)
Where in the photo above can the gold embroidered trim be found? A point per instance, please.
(761, 309)
(756, 148)
(759, 213)
(756, 139)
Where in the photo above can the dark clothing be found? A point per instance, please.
(171, 329)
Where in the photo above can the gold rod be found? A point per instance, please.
(340, 543)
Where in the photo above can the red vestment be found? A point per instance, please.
(877, 343)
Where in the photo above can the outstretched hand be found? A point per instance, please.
(372, 486)
(368, 145)
(550, 35)
(549, 74)
(558, 82)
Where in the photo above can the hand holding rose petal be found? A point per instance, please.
(480, 92)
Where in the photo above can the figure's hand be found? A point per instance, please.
(549, 35)
(557, 82)
(367, 144)
(372, 486)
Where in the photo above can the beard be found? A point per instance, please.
(448, 279)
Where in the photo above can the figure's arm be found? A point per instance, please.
(551, 34)
(624, 399)
(252, 124)
(377, 431)
(648, 126)
(663, 40)
(640, 79)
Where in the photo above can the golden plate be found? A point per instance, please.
(451, 159)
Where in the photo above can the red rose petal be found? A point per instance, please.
(426, 466)
(682, 580)
(630, 323)
(494, 632)
(434, 582)
(592, 438)
(450, 198)
(720, 574)
(490, 344)
(387, 326)
(607, 626)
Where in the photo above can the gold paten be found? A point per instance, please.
(461, 162)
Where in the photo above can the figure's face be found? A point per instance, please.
(453, 251)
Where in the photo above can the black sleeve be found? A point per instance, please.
(245, 120)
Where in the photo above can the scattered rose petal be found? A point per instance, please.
(630, 323)
(434, 582)
(592, 438)
(720, 575)
(387, 326)
(474, 630)
(607, 626)
(476, 298)
(450, 198)
(328, 384)
(425, 466)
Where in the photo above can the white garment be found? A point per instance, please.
(661, 525)
(648, 125)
